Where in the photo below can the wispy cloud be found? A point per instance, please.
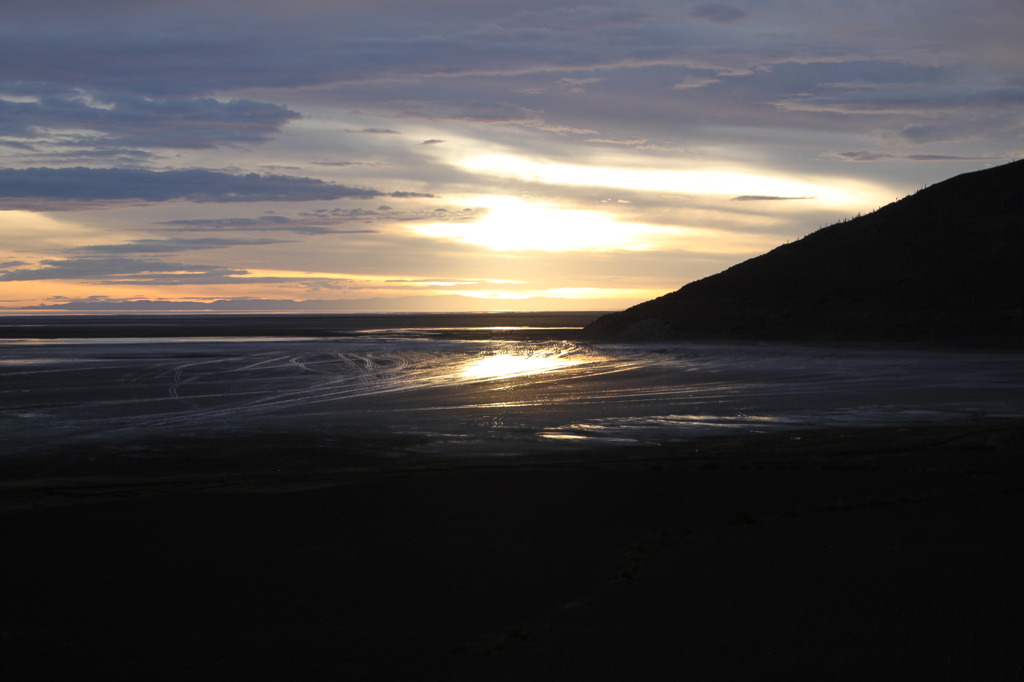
(880, 156)
(374, 131)
(80, 187)
(758, 197)
(117, 269)
(311, 224)
(155, 246)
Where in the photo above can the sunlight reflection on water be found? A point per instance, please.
(503, 365)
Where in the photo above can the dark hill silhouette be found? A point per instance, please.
(945, 264)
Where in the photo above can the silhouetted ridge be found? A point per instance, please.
(944, 264)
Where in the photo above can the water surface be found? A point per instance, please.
(472, 388)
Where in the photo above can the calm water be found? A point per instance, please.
(492, 385)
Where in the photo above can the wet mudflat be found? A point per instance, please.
(882, 554)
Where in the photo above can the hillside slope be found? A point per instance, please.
(944, 264)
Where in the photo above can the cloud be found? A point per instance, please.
(925, 99)
(184, 61)
(918, 133)
(433, 303)
(114, 269)
(577, 85)
(374, 131)
(944, 157)
(474, 112)
(118, 270)
(241, 303)
(628, 141)
(153, 246)
(717, 12)
(312, 225)
(409, 195)
(50, 152)
(695, 82)
(431, 141)
(21, 146)
(315, 222)
(76, 119)
(343, 164)
(79, 187)
(880, 156)
(860, 156)
(569, 19)
(756, 197)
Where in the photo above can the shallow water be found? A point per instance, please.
(480, 390)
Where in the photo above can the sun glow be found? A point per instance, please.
(513, 224)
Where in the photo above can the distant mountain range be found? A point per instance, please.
(943, 265)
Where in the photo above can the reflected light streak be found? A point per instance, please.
(503, 365)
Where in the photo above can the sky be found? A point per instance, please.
(386, 155)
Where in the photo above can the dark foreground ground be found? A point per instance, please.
(838, 555)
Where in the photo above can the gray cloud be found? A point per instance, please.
(21, 146)
(717, 12)
(908, 98)
(374, 131)
(108, 156)
(451, 302)
(343, 164)
(79, 187)
(919, 133)
(113, 269)
(474, 112)
(154, 246)
(409, 195)
(134, 121)
(262, 52)
(272, 221)
(628, 141)
(314, 225)
(380, 62)
(241, 303)
(117, 270)
(757, 197)
(880, 156)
